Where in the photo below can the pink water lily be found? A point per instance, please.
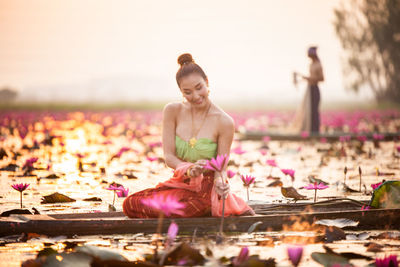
(242, 257)
(230, 173)
(172, 232)
(377, 136)
(295, 253)
(387, 261)
(375, 186)
(266, 139)
(247, 181)
(398, 149)
(238, 150)
(166, 205)
(289, 172)
(316, 187)
(20, 188)
(151, 159)
(263, 152)
(29, 164)
(305, 134)
(217, 164)
(323, 140)
(271, 162)
(362, 138)
(122, 192)
(344, 138)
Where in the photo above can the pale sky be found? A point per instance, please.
(102, 50)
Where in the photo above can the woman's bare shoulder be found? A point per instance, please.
(224, 119)
(172, 108)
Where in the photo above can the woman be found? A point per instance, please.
(307, 118)
(193, 132)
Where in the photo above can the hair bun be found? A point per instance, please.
(185, 58)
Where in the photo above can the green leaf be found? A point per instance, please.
(56, 198)
(327, 259)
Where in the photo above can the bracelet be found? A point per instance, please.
(188, 171)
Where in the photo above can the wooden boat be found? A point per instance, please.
(271, 217)
(330, 137)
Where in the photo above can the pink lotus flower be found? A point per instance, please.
(29, 163)
(365, 207)
(79, 155)
(387, 261)
(323, 140)
(271, 162)
(289, 172)
(263, 152)
(247, 180)
(122, 192)
(375, 186)
(304, 134)
(167, 205)
(362, 138)
(266, 139)
(295, 253)
(230, 173)
(398, 149)
(21, 188)
(151, 159)
(242, 257)
(344, 138)
(316, 187)
(217, 164)
(172, 232)
(238, 150)
(121, 151)
(377, 136)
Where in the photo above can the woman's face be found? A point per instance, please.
(195, 89)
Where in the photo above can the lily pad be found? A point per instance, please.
(340, 222)
(56, 198)
(253, 227)
(328, 259)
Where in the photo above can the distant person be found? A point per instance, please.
(307, 118)
(193, 131)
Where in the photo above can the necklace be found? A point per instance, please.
(193, 140)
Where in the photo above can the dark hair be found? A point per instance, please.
(188, 66)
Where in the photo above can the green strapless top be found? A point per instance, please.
(203, 149)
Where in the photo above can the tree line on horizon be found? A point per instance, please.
(369, 31)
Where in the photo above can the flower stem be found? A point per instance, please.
(248, 197)
(20, 194)
(270, 172)
(221, 227)
(315, 195)
(114, 197)
(158, 235)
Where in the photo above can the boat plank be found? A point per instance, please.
(371, 219)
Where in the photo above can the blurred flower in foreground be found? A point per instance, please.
(387, 261)
(316, 187)
(167, 205)
(242, 257)
(295, 253)
(21, 188)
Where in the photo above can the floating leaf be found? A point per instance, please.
(92, 199)
(362, 236)
(253, 227)
(15, 211)
(56, 198)
(184, 252)
(333, 233)
(100, 253)
(340, 222)
(328, 259)
(374, 247)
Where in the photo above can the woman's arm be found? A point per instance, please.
(170, 113)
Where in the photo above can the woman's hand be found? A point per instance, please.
(197, 169)
(222, 188)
